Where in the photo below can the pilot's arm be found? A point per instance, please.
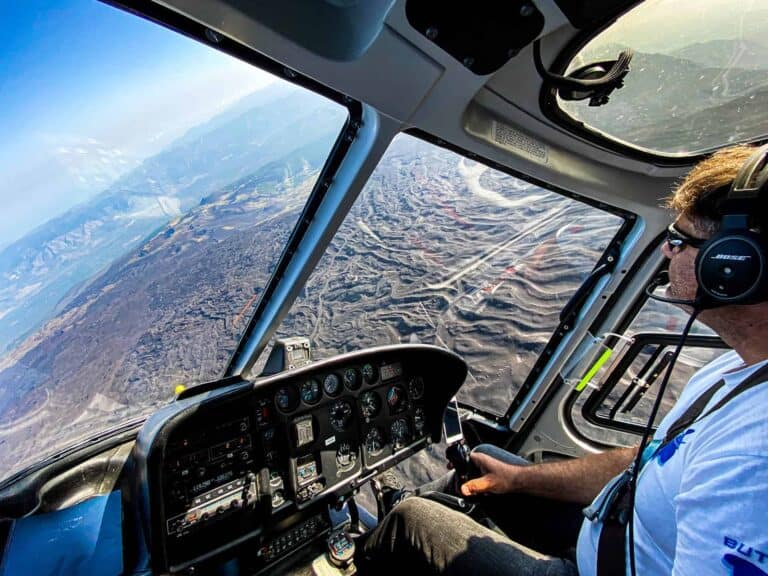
(578, 480)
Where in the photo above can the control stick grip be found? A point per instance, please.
(458, 455)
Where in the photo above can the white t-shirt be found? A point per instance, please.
(702, 503)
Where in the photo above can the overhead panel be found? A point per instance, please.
(482, 36)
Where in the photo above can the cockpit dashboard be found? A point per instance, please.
(254, 463)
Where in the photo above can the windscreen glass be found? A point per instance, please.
(440, 249)
(148, 185)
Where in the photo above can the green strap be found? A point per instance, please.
(592, 371)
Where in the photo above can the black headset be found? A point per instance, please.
(731, 268)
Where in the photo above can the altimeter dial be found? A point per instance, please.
(416, 388)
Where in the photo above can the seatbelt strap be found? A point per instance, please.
(694, 410)
(611, 547)
(692, 413)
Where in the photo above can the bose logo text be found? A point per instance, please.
(730, 257)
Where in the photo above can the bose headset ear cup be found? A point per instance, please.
(731, 268)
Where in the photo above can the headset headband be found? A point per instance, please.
(748, 185)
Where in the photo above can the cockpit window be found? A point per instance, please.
(148, 184)
(442, 250)
(698, 79)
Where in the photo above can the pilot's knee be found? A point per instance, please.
(412, 507)
(416, 513)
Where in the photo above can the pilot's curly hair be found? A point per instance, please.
(700, 193)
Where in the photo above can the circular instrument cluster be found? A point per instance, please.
(370, 374)
(400, 432)
(374, 442)
(332, 385)
(286, 399)
(341, 415)
(370, 404)
(310, 391)
(352, 379)
(397, 399)
(391, 413)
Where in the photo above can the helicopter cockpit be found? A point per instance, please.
(257, 255)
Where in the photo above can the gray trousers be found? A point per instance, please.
(423, 537)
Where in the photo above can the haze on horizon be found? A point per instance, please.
(87, 92)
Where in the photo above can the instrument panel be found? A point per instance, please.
(237, 463)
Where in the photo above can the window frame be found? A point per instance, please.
(589, 410)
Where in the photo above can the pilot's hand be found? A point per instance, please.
(496, 476)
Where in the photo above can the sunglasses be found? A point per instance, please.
(676, 238)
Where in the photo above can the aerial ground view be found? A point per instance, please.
(148, 283)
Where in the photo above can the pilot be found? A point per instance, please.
(701, 498)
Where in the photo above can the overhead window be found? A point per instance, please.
(698, 79)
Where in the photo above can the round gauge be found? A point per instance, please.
(396, 399)
(370, 404)
(370, 374)
(346, 456)
(418, 420)
(310, 392)
(332, 385)
(341, 415)
(416, 388)
(400, 432)
(352, 379)
(374, 442)
(286, 399)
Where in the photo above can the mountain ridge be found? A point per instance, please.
(42, 267)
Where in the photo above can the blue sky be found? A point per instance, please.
(87, 92)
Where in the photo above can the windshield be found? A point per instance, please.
(148, 185)
(439, 249)
(698, 79)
